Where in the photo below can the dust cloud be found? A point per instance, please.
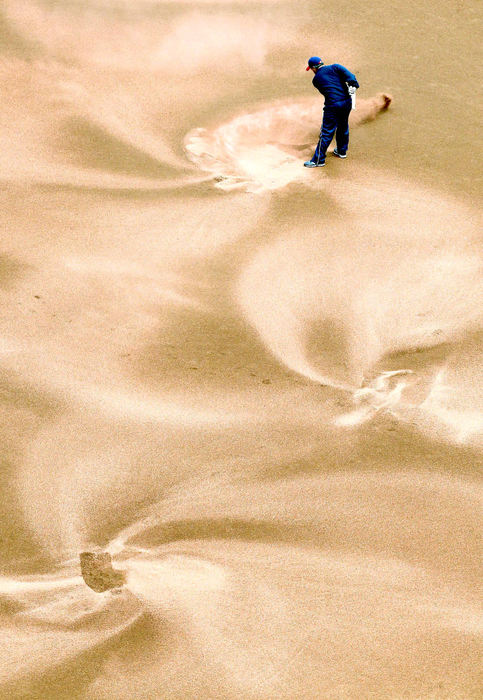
(246, 394)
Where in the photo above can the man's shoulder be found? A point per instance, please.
(329, 68)
(321, 72)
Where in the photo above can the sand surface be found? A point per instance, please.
(257, 386)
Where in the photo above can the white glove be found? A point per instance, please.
(352, 92)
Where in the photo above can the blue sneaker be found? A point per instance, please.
(314, 164)
(339, 155)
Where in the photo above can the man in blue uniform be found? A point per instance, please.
(333, 82)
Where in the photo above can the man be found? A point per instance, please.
(336, 84)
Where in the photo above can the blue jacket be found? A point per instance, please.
(331, 82)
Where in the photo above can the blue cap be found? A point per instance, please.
(314, 61)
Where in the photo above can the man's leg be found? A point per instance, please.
(329, 125)
(342, 133)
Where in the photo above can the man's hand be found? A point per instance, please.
(352, 92)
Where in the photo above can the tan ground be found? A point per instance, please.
(257, 386)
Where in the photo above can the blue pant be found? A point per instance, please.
(336, 120)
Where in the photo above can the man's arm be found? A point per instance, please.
(346, 75)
